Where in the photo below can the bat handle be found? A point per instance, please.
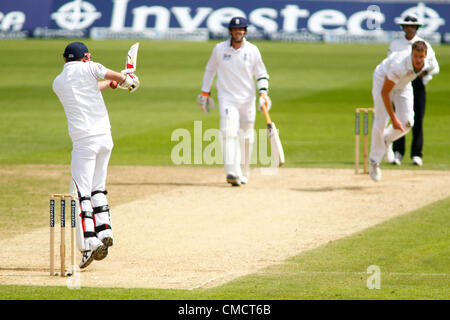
(266, 113)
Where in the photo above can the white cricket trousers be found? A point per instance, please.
(403, 101)
(90, 159)
(237, 121)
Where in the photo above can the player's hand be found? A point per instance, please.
(205, 102)
(131, 82)
(264, 99)
(397, 124)
(113, 84)
(422, 74)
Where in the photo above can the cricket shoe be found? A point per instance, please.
(106, 237)
(233, 179)
(243, 179)
(389, 154)
(417, 161)
(108, 242)
(374, 171)
(99, 250)
(86, 259)
(398, 158)
(98, 253)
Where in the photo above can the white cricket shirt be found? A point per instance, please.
(405, 44)
(398, 68)
(77, 89)
(236, 71)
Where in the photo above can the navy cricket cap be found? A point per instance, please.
(238, 22)
(75, 51)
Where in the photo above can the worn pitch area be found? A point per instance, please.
(184, 227)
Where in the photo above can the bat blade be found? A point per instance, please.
(131, 60)
(275, 145)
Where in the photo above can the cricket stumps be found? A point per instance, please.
(365, 112)
(62, 246)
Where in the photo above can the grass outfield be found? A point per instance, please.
(314, 88)
(412, 251)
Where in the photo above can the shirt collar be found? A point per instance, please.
(414, 39)
(244, 41)
(72, 62)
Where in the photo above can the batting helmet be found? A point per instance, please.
(238, 22)
(75, 51)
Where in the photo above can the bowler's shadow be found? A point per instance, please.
(330, 189)
(173, 184)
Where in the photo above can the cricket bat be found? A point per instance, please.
(275, 142)
(131, 60)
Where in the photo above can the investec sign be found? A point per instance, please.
(319, 18)
(215, 20)
(267, 17)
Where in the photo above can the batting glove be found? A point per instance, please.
(205, 102)
(128, 70)
(131, 82)
(136, 83)
(264, 99)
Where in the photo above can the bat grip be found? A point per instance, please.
(266, 113)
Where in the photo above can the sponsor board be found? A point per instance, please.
(150, 33)
(446, 37)
(283, 20)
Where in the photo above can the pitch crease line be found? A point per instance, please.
(210, 280)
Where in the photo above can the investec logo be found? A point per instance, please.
(79, 14)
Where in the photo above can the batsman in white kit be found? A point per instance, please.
(79, 90)
(392, 85)
(237, 63)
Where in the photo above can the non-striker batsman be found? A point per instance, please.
(237, 63)
(79, 90)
